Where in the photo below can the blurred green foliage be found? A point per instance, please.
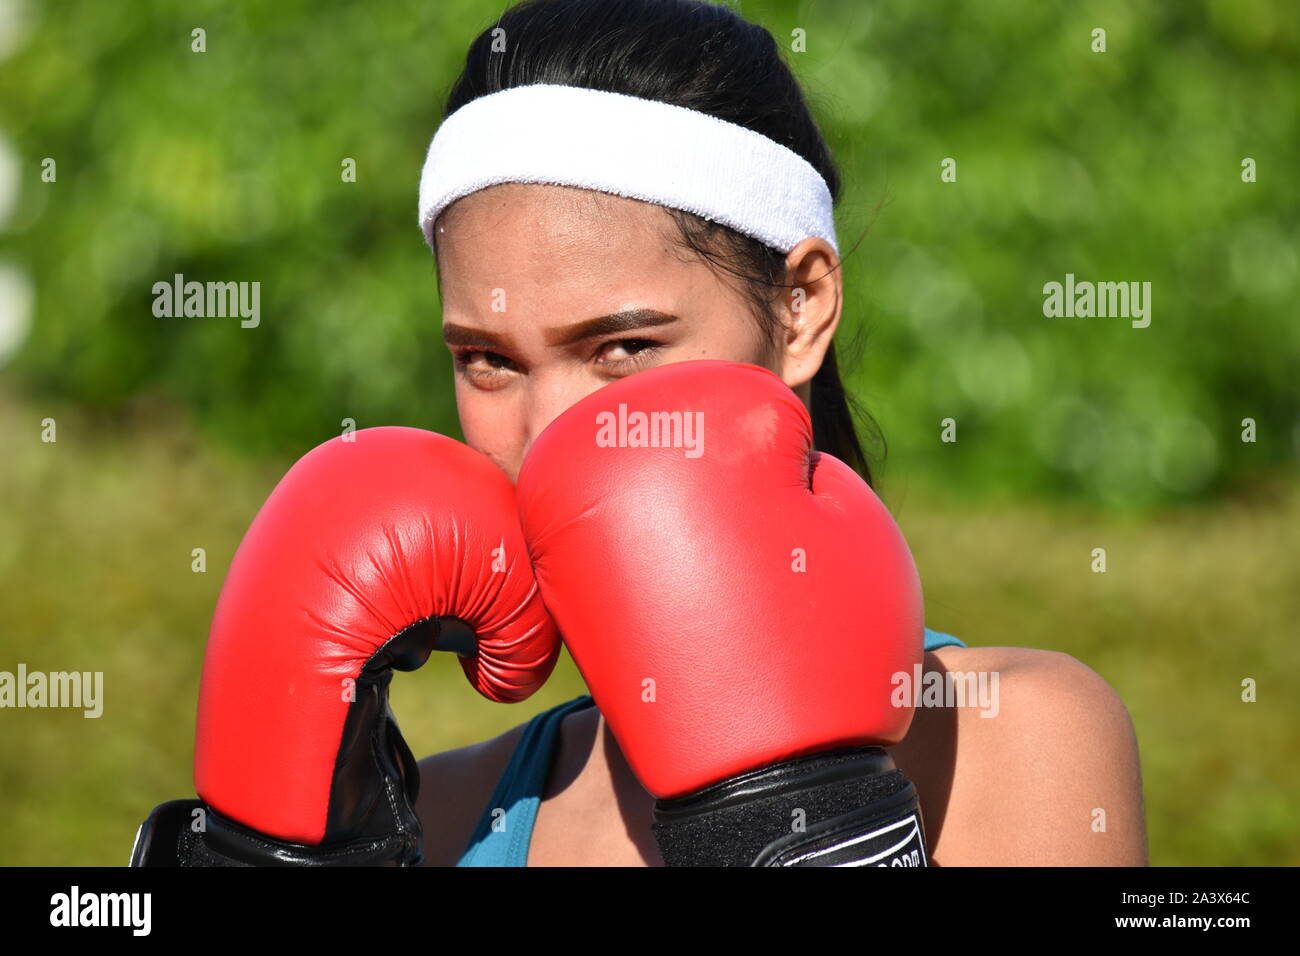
(1117, 166)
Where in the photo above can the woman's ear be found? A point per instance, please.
(810, 309)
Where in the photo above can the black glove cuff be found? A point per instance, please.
(849, 807)
(168, 838)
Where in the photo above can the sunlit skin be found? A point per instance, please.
(551, 292)
(596, 287)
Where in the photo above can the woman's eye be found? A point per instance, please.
(624, 350)
(481, 364)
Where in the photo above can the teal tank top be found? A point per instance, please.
(519, 791)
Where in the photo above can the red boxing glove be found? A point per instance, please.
(368, 555)
(738, 605)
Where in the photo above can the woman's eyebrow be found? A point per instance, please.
(625, 321)
(462, 336)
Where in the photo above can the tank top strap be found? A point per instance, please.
(506, 827)
(937, 639)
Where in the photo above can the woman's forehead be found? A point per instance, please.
(545, 244)
(541, 210)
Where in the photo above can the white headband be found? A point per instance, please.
(627, 146)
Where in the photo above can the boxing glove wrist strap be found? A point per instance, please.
(849, 807)
(171, 836)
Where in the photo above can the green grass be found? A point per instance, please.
(1193, 602)
(96, 533)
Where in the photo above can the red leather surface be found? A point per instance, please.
(659, 566)
(358, 541)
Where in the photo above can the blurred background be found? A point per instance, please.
(1073, 433)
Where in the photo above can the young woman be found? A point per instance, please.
(555, 282)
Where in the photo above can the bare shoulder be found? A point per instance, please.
(1042, 766)
(1045, 686)
(455, 786)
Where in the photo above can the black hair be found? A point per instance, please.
(704, 57)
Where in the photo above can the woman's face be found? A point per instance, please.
(549, 293)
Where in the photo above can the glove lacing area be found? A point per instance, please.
(376, 776)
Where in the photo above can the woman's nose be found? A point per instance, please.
(552, 399)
